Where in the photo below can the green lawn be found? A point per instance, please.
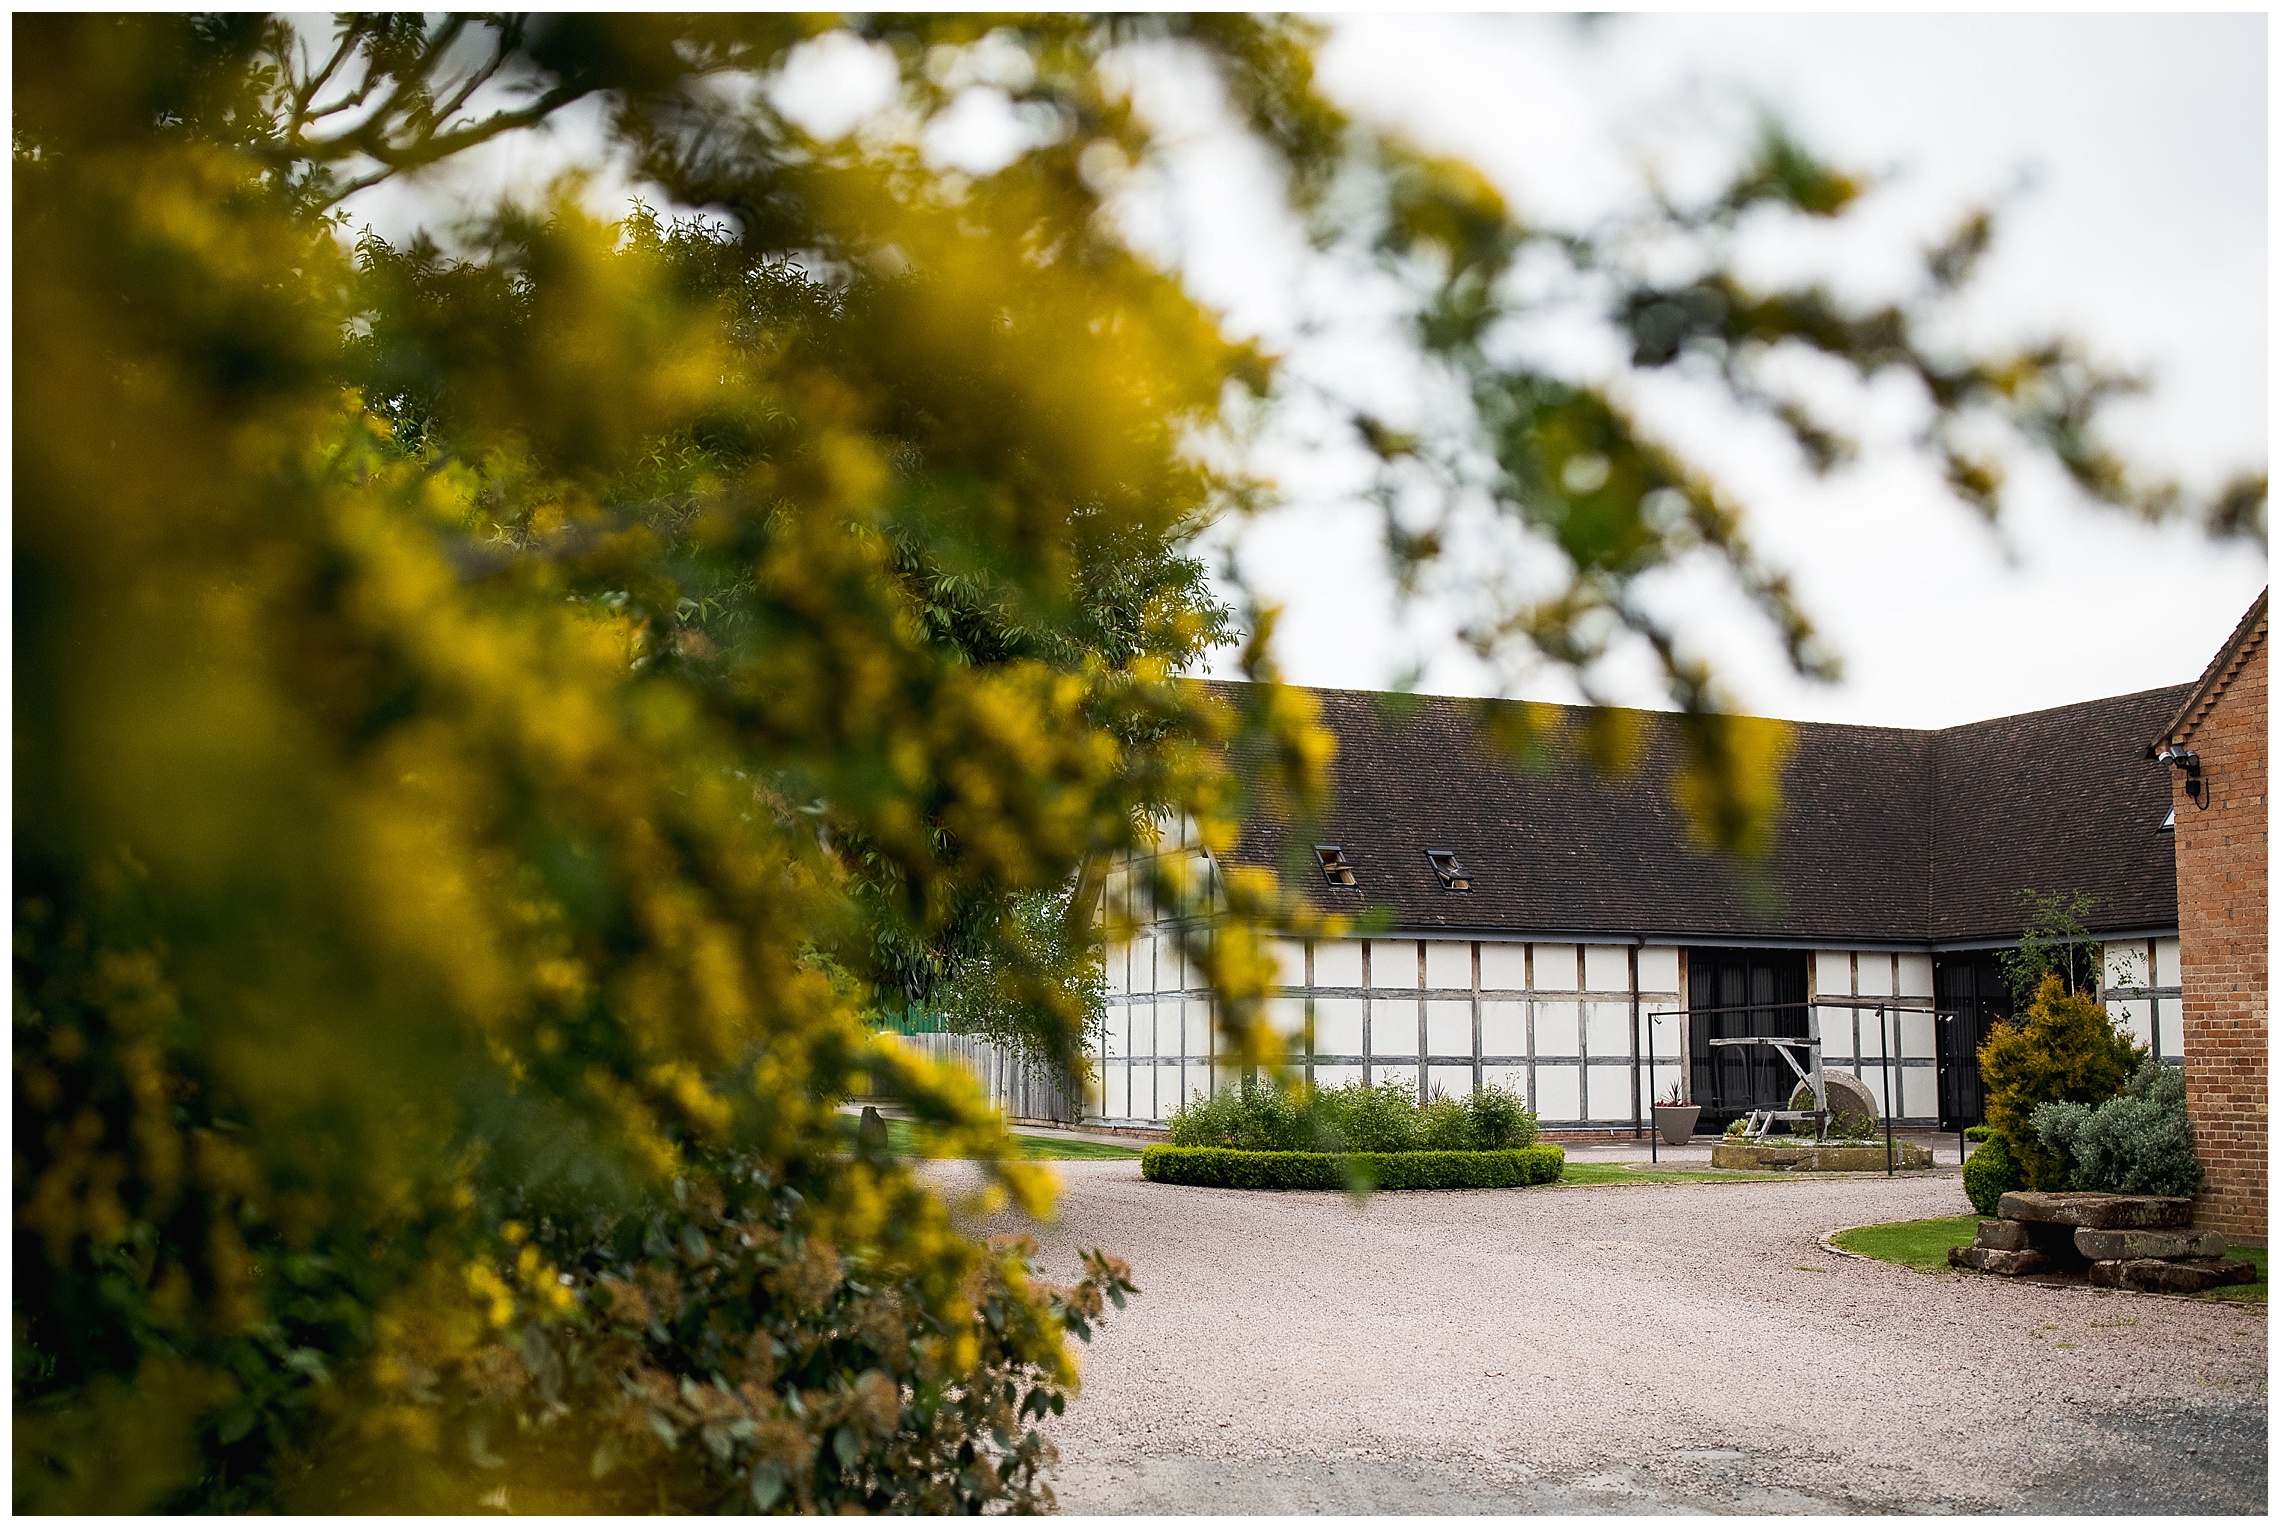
(1911, 1243)
(1592, 1174)
(902, 1140)
(1924, 1244)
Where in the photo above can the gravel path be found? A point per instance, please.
(1637, 1348)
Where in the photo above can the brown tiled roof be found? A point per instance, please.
(1887, 834)
(2238, 648)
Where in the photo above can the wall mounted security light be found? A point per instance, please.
(1335, 870)
(1454, 876)
(2196, 788)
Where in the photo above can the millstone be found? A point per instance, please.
(1847, 1095)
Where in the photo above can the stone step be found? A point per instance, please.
(2001, 1236)
(2102, 1212)
(2110, 1246)
(1997, 1260)
(2184, 1277)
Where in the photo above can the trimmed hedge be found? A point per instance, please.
(1220, 1167)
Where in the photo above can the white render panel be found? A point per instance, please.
(1503, 967)
(1393, 963)
(1503, 1026)
(1170, 1092)
(1665, 1038)
(1338, 1026)
(1448, 963)
(1835, 1027)
(1555, 968)
(1289, 959)
(1119, 963)
(1117, 1033)
(1832, 973)
(1919, 1036)
(2165, 965)
(2134, 1016)
(1556, 1031)
(1198, 1025)
(1144, 1031)
(1872, 1027)
(1875, 973)
(1115, 1096)
(1286, 1016)
(1511, 1078)
(1610, 1093)
(2171, 1022)
(1660, 1080)
(1448, 1028)
(1607, 1029)
(1559, 1094)
(2129, 963)
(1143, 1092)
(1336, 1076)
(1338, 963)
(1404, 1073)
(1393, 1027)
(1915, 976)
(1658, 970)
(1918, 1090)
(1606, 968)
(1455, 1081)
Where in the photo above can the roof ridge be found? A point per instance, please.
(2235, 652)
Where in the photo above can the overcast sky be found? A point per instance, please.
(2129, 154)
(2133, 152)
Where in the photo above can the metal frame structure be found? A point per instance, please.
(1888, 1011)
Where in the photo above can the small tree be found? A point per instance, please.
(2057, 943)
(2064, 1049)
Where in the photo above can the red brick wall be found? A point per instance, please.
(2221, 855)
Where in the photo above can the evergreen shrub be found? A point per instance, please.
(2064, 1049)
(1991, 1173)
(1218, 1167)
(2138, 1143)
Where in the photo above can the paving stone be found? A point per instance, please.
(2002, 1236)
(1996, 1260)
(2183, 1277)
(2104, 1212)
(2107, 1246)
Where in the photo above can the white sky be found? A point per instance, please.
(2141, 225)
(2142, 228)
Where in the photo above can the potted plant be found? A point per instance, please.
(1675, 1118)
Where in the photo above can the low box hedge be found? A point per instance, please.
(1220, 1167)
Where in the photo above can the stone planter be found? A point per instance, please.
(1676, 1122)
(1811, 1158)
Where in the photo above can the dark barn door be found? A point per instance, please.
(1732, 993)
(1969, 985)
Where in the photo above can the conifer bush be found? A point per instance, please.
(2064, 1049)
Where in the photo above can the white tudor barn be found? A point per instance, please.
(1560, 933)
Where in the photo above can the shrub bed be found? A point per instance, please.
(1222, 1167)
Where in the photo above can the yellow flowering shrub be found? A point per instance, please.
(491, 727)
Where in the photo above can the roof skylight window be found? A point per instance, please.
(1335, 870)
(1454, 876)
(2169, 823)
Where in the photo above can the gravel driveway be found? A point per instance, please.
(1637, 1348)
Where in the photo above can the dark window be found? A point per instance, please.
(1335, 870)
(1731, 994)
(1970, 985)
